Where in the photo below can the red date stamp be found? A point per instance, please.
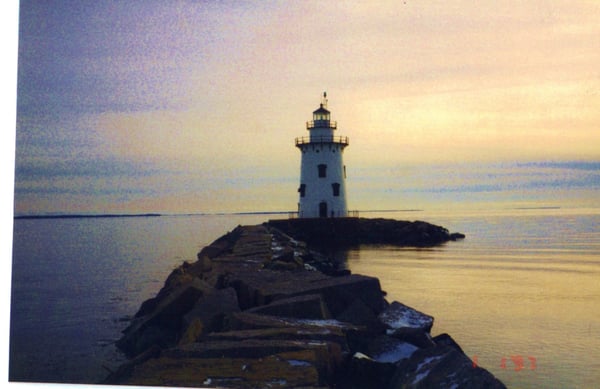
(519, 362)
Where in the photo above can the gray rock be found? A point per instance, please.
(341, 292)
(387, 349)
(398, 315)
(210, 310)
(441, 367)
(365, 373)
(299, 332)
(357, 312)
(251, 321)
(446, 340)
(162, 325)
(413, 335)
(309, 306)
(202, 265)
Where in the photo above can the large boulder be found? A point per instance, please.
(177, 279)
(441, 367)
(447, 340)
(309, 306)
(208, 314)
(161, 326)
(375, 367)
(338, 292)
(363, 372)
(359, 313)
(413, 335)
(387, 349)
(201, 266)
(251, 321)
(398, 315)
(222, 245)
(264, 286)
(300, 332)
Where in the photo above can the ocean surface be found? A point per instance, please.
(521, 294)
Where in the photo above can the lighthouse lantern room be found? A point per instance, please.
(322, 191)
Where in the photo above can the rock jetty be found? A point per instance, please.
(340, 232)
(256, 310)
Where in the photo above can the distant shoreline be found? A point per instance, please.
(110, 215)
(528, 208)
(80, 216)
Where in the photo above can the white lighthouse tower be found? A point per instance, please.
(322, 188)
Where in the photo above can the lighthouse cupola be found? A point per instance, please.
(322, 191)
(321, 116)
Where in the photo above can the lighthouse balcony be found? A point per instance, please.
(307, 140)
(321, 124)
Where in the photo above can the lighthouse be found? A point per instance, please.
(322, 191)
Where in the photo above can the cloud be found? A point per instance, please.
(488, 177)
(148, 96)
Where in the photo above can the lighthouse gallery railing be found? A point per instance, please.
(322, 139)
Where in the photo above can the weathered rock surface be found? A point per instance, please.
(400, 316)
(299, 332)
(207, 315)
(254, 312)
(310, 306)
(441, 367)
(297, 369)
(161, 325)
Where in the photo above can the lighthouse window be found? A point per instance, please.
(322, 170)
(302, 190)
(336, 189)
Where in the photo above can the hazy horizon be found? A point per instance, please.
(569, 184)
(193, 107)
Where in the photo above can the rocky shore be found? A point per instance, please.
(349, 231)
(261, 308)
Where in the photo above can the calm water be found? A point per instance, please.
(524, 283)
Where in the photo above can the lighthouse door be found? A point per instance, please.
(323, 209)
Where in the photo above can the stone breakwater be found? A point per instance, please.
(262, 309)
(355, 231)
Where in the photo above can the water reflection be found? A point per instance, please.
(524, 286)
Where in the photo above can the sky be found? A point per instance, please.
(193, 106)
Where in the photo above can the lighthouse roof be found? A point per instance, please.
(321, 110)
